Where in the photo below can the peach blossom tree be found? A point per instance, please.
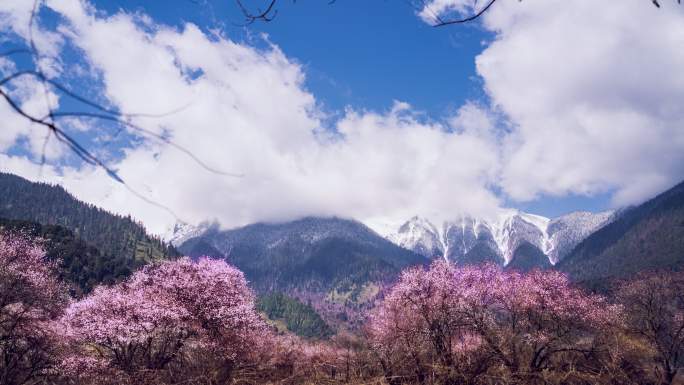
(461, 323)
(164, 314)
(31, 297)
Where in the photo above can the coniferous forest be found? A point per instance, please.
(115, 236)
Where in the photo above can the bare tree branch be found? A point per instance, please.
(270, 12)
(441, 22)
(657, 4)
(149, 133)
(266, 15)
(479, 13)
(51, 120)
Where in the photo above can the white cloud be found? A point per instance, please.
(15, 18)
(591, 106)
(434, 11)
(592, 91)
(246, 110)
(32, 98)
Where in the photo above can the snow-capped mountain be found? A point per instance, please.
(181, 232)
(311, 253)
(569, 230)
(419, 235)
(471, 240)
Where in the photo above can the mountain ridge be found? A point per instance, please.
(47, 204)
(649, 236)
(465, 240)
(312, 253)
(554, 238)
(346, 256)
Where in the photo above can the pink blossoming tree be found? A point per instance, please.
(458, 324)
(30, 298)
(167, 313)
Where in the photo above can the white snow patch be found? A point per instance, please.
(554, 237)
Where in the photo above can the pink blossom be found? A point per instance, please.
(519, 320)
(163, 310)
(31, 297)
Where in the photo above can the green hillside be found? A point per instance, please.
(81, 264)
(299, 318)
(115, 236)
(646, 237)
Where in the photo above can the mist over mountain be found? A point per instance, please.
(584, 244)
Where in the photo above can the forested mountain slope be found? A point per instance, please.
(296, 316)
(81, 264)
(647, 237)
(311, 254)
(114, 235)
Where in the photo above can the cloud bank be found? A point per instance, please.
(592, 93)
(590, 107)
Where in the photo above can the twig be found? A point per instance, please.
(267, 15)
(442, 23)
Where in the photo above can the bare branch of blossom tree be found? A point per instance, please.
(441, 22)
(262, 14)
(657, 3)
(53, 120)
(268, 13)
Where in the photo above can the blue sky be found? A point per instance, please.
(529, 107)
(366, 54)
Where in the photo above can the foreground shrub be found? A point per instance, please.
(654, 305)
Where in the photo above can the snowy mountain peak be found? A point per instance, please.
(420, 235)
(513, 228)
(181, 232)
(497, 240)
(567, 231)
(542, 223)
